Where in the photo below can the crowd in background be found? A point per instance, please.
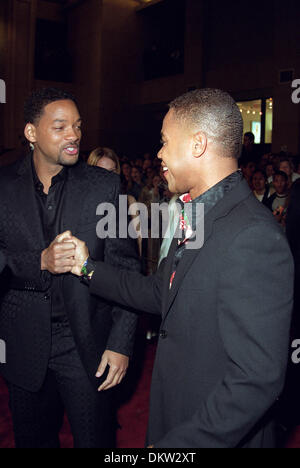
(270, 177)
(142, 181)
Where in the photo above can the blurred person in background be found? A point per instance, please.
(260, 186)
(139, 163)
(250, 152)
(278, 202)
(126, 179)
(248, 169)
(105, 158)
(108, 159)
(287, 167)
(270, 171)
(137, 178)
(146, 165)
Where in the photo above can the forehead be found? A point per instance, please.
(61, 110)
(170, 122)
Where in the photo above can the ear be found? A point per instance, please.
(199, 144)
(30, 133)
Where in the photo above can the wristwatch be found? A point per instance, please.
(87, 271)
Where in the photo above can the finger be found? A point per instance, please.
(75, 240)
(63, 246)
(60, 255)
(102, 367)
(121, 378)
(63, 236)
(112, 385)
(110, 378)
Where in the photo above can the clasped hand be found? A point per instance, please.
(67, 254)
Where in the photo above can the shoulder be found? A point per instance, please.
(253, 221)
(96, 175)
(295, 191)
(10, 172)
(10, 177)
(295, 177)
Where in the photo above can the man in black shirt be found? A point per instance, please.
(62, 345)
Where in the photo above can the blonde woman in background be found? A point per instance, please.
(105, 158)
(108, 159)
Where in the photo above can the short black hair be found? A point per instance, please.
(39, 99)
(215, 113)
(282, 174)
(250, 135)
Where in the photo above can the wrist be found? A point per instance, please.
(87, 270)
(83, 270)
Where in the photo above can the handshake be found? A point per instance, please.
(66, 254)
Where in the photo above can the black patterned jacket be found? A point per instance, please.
(25, 313)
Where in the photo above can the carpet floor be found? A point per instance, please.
(133, 407)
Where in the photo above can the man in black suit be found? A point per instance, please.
(62, 344)
(293, 235)
(226, 307)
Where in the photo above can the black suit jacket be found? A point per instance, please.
(25, 314)
(293, 234)
(223, 348)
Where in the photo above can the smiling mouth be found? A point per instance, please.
(71, 150)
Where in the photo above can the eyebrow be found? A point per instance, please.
(63, 121)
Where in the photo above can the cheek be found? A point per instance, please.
(48, 138)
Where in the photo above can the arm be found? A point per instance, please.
(26, 271)
(293, 219)
(31, 270)
(255, 296)
(128, 288)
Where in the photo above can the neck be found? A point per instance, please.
(212, 177)
(45, 171)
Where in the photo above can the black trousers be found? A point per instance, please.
(38, 417)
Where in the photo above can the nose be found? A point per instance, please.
(159, 154)
(73, 134)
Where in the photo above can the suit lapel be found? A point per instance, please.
(185, 264)
(237, 195)
(26, 203)
(74, 198)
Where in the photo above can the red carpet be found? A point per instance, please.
(132, 414)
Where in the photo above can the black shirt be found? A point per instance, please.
(50, 209)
